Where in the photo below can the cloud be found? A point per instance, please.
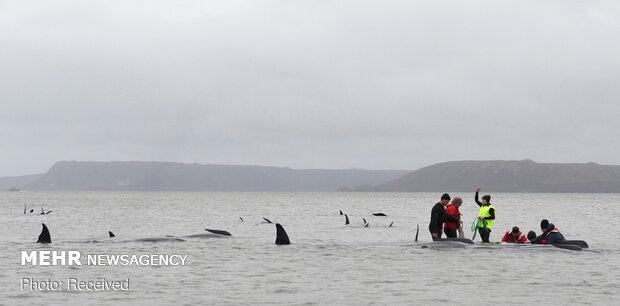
(331, 84)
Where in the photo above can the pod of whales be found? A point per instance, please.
(283, 239)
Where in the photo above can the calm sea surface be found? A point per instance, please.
(327, 262)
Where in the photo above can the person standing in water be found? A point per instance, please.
(486, 216)
(438, 216)
(453, 218)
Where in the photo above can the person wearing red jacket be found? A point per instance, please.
(453, 218)
(515, 236)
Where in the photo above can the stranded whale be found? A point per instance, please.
(219, 232)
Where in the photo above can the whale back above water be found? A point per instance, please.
(218, 232)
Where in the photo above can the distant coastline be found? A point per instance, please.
(461, 176)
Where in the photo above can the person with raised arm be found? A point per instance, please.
(486, 216)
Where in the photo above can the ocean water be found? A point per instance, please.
(327, 262)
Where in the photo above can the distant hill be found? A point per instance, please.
(9, 182)
(506, 176)
(168, 176)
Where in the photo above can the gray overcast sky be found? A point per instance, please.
(308, 84)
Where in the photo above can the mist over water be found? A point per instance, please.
(327, 262)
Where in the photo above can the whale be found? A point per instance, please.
(111, 234)
(157, 239)
(346, 219)
(267, 220)
(379, 214)
(44, 237)
(341, 212)
(218, 232)
(212, 233)
(281, 236)
(446, 243)
(391, 224)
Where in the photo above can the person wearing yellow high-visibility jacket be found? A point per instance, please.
(486, 216)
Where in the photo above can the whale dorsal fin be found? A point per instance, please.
(281, 236)
(111, 234)
(44, 237)
(268, 221)
(346, 219)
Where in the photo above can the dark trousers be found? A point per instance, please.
(438, 234)
(485, 233)
(450, 232)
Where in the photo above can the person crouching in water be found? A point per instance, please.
(486, 216)
(453, 218)
(515, 236)
(438, 216)
(531, 235)
(544, 224)
(551, 236)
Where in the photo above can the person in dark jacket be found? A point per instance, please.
(531, 235)
(438, 216)
(544, 224)
(553, 235)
